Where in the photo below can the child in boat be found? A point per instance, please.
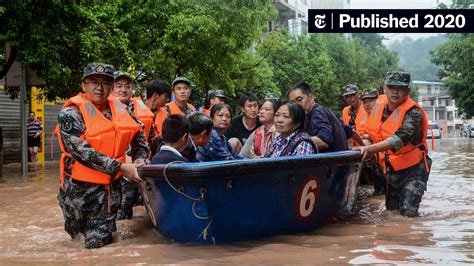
(175, 137)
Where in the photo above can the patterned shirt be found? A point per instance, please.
(34, 127)
(411, 130)
(217, 149)
(280, 143)
(72, 127)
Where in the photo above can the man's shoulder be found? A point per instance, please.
(413, 113)
(70, 111)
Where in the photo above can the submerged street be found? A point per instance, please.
(31, 226)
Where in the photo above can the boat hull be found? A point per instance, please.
(249, 199)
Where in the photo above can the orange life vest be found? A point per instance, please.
(110, 138)
(142, 113)
(174, 109)
(206, 111)
(378, 131)
(381, 98)
(361, 114)
(160, 116)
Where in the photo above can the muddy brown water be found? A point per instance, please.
(31, 227)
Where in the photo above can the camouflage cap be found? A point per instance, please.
(371, 93)
(98, 69)
(180, 79)
(122, 74)
(271, 96)
(216, 93)
(397, 79)
(349, 90)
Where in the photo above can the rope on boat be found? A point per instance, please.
(202, 191)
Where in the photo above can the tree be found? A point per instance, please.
(456, 61)
(205, 40)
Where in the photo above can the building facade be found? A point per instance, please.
(292, 15)
(440, 107)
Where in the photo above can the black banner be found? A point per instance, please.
(391, 20)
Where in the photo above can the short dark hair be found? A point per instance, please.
(297, 113)
(303, 86)
(159, 87)
(175, 127)
(247, 96)
(32, 112)
(200, 122)
(216, 108)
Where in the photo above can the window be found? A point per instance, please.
(432, 102)
(429, 89)
(450, 115)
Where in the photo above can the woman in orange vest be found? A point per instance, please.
(95, 131)
(398, 127)
(181, 90)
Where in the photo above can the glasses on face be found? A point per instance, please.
(94, 84)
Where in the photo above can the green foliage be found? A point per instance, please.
(415, 56)
(456, 61)
(216, 43)
(204, 39)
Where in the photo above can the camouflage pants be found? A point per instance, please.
(130, 195)
(406, 188)
(90, 210)
(372, 174)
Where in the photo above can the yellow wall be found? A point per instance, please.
(37, 106)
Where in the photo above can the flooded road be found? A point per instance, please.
(31, 227)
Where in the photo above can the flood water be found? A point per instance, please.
(31, 227)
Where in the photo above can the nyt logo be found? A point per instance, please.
(319, 21)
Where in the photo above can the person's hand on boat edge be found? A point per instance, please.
(364, 151)
(130, 171)
(368, 151)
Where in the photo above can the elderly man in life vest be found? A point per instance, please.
(95, 132)
(397, 126)
(123, 89)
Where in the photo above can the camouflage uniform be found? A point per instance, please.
(372, 172)
(130, 191)
(406, 187)
(90, 209)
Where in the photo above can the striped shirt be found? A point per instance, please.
(34, 127)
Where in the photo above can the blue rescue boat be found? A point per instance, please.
(215, 202)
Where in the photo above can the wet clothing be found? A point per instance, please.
(372, 174)
(238, 129)
(297, 143)
(89, 208)
(321, 122)
(217, 149)
(130, 191)
(407, 164)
